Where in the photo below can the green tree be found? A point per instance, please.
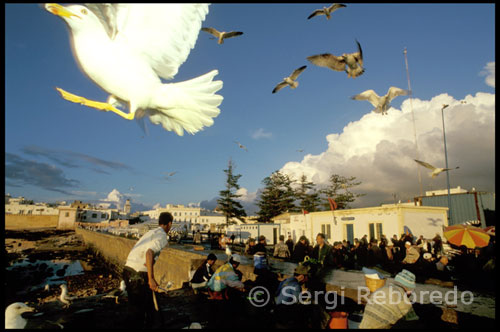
(227, 202)
(307, 195)
(339, 189)
(277, 197)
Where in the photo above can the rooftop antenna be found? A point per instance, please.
(413, 119)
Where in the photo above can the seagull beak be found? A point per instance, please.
(59, 10)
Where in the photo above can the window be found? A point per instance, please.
(379, 231)
(326, 229)
(372, 231)
(94, 215)
(103, 215)
(66, 214)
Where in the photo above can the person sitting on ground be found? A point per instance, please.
(225, 278)
(301, 250)
(250, 247)
(203, 273)
(281, 249)
(390, 304)
(223, 240)
(289, 312)
(412, 254)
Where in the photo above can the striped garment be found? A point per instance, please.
(381, 312)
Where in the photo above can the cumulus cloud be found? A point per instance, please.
(489, 72)
(380, 150)
(261, 133)
(116, 200)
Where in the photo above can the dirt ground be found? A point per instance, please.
(178, 308)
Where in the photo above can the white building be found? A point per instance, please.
(17, 206)
(349, 224)
(457, 190)
(242, 232)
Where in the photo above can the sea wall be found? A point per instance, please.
(19, 221)
(172, 265)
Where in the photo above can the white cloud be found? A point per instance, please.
(379, 150)
(261, 133)
(115, 197)
(156, 206)
(489, 72)
(245, 195)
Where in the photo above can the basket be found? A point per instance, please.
(374, 284)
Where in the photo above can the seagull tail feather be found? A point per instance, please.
(187, 106)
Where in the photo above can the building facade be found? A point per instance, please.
(18, 206)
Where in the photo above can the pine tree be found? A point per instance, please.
(338, 189)
(306, 194)
(227, 202)
(277, 197)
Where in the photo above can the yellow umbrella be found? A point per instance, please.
(469, 236)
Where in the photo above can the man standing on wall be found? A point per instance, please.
(138, 272)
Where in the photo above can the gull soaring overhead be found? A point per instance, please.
(241, 146)
(383, 103)
(221, 35)
(435, 170)
(127, 48)
(326, 10)
(290, 80)
(351, 63)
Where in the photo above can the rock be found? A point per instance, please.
(449, 315)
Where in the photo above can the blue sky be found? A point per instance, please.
(57, 150)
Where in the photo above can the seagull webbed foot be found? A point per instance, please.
(95, 104)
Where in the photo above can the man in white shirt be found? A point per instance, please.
(138, 272)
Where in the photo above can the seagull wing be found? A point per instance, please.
(316, 13)
(232, 34)
(328, 60)
(335, 6)
(280, 86)
(212, 31)
(394, 92)
(297, 72)
(107, 14)
(369, 95)
(163, 34)
(423, 163)
(359, 54)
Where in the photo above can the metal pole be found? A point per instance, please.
(446, 165)
(413, 119)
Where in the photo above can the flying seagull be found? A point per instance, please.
(221, 35)
(126, 48)
(381, 104)
(13, 318)
(241, 146)
(168, 175)
(290, 80)
(64, 297)
(351, 63)
(435, 171)
(300, 150)
(326, 10)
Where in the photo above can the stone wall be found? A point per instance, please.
(172, 264)
(17, 221)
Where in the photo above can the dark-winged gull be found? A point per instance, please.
(221, 35)
(351, 63)
(327, 11)
(117, 293)
(127, 48)
(290, 80)
(435, 170)
(382, 103)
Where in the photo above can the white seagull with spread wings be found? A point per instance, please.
(326, 10)
(381, 104)
(435, 170)
(127, 48)
(290, 80)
